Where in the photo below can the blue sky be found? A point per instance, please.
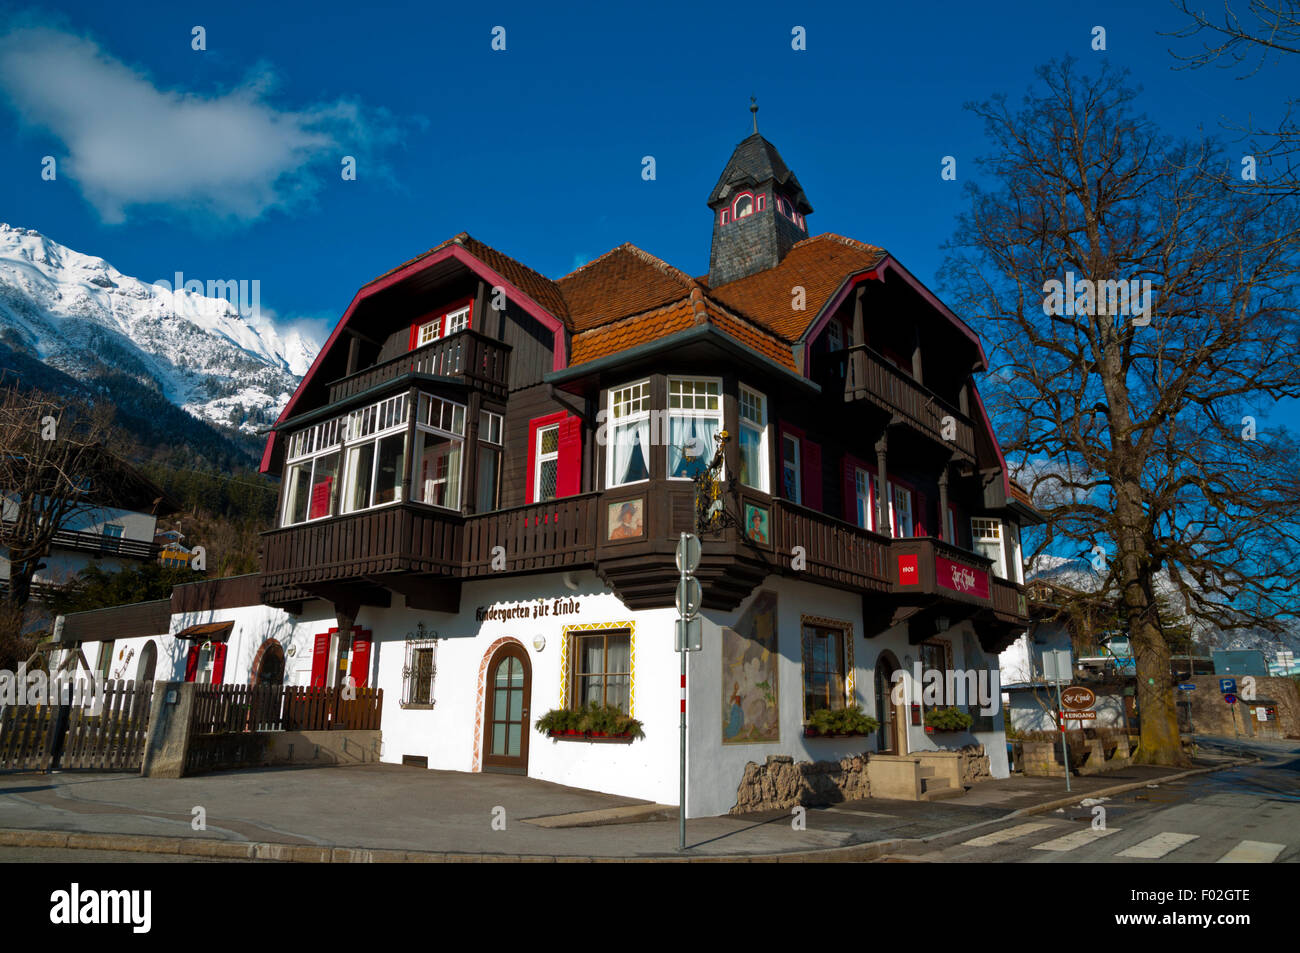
(224, 163)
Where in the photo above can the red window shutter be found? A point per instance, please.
(192, 663)
(569, 478)
(812, 475)
(921, 518)
(360, 656)
(320, 656)
(415, 335)
(218, 662)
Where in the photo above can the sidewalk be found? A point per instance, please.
(388, 812)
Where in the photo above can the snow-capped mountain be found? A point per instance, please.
(219, 358)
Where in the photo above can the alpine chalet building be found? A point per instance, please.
(486, 473)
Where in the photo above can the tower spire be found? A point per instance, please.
(753, 108)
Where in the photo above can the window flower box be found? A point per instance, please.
(947, 720)
(593, 723)
(841, 723)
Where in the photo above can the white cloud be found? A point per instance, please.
(130, 143)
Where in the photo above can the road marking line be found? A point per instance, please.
(1252, 852)
(1158, 846)
(1011, 833)
(1075, 840)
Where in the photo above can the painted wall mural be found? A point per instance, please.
(750, 709)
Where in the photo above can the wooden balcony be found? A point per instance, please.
(870, 376)
(424, 541)
(466, 355)
(930, 567)
(99, 544)
(411, 548)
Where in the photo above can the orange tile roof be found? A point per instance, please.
(617, 336)
(819, 265)
(623, 281)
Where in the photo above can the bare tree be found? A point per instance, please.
(53, 465)
(1138, 429)
(1247, 35)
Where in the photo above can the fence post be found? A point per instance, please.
(168, 739)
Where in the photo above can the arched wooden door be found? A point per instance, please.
(891, 735)
(505, 711)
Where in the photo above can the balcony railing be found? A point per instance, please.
(415, 538)
(926, 566)
(870, 375)
(99, 544)
(834, 550)
(478, 360)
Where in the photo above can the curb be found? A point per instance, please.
(299, 853)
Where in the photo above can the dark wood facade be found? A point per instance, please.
(880, 382)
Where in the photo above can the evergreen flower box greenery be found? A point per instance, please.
(947, 719)
(592, 721)
(841, 722)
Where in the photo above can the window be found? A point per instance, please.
(430, 331)
(694, 418)
(489, 461)
(439, 442)
(864, 485)
(743, 206)
(628, 440)
(823, 669)
(834, 336)
(311, 480)
(603, 670)
(457, 320)
(112, 537)
(935, 657)
(375, 445)
(753, 439)
(546, 463)
(418, 673)
(1017, 573)
(950, 525)
(901, 514)
(105, 660)
(986, 539)
(790, 467)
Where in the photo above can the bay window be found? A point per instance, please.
(753, 439)
(694, 417)
(439, 445)
(628, 441)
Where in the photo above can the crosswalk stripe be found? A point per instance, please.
(1252, 852)
(1077, 839)
(1154, 847)
(1011, 833)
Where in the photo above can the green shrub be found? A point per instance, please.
(847, 721)
(948, 719)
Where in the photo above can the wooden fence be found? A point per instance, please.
(35, 738)
(238, 709)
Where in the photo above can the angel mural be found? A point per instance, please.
(750, 710)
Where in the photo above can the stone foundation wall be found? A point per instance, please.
(780, 783)
(974, 765)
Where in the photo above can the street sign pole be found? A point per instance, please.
(681, 795)
(1065, 744)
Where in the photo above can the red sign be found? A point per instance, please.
(909, 574)
(961, 578)
(360, 657)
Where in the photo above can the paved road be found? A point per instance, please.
(1248, 815)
